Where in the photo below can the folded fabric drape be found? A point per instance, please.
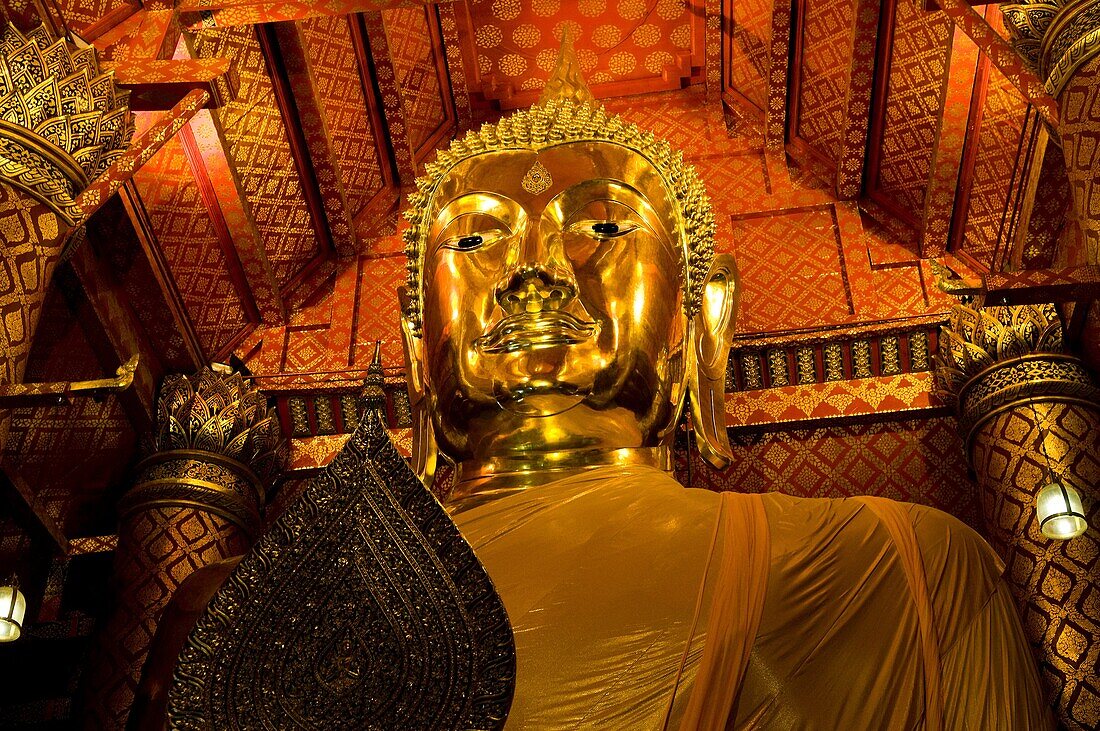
(638, 604)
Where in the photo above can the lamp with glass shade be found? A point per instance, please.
(13, 606)
(1061, 514)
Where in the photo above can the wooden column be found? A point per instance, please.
(196, 500)
(1030, 414)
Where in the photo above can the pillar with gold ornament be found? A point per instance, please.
(196, 499)
(1030, 414)
(62, 122)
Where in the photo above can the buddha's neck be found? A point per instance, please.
(479, 480)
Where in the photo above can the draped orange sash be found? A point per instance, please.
(741, 585)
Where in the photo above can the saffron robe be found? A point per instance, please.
(639, 604)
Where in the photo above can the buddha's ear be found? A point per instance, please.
(425, 451)
(713, 327)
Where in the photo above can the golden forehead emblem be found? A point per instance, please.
(537, 179)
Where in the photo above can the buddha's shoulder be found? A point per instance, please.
(797, 523)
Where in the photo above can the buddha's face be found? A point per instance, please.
(553, 306)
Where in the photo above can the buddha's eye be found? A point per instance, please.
(470, 242)
(604, 229)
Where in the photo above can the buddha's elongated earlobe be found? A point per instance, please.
(425, 451)
(713, 326)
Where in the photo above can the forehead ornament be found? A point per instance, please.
(537, 179)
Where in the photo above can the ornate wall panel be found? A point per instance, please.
(80, 15)
(749, 31)
(48, 447)
(994, 165)
(918, 461)
(417, 68)
(191, 245)
(915, 88)
(824, 70)
(616, 41)
(800, 282)
(260, 152)
(1048, 213)
(337, 84)
(112, 237)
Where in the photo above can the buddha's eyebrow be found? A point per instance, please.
(487, 202)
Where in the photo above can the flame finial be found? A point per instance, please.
(566, 81)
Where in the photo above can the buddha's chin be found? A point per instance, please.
(538, 398)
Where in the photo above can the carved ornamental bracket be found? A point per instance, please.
(1055, 37)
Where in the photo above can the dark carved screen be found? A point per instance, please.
(362, 608)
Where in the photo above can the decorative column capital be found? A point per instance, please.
(217, 448)
(1055, 37)
(993, 358)
(62, 120)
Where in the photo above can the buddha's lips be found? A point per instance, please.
(532, 329)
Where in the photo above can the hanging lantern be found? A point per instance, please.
(12, 608)
(1061, 515)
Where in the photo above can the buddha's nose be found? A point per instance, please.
(536, 288)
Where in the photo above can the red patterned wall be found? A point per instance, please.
(919, 461)
(915, 88)
(1048, 215)
(653, 43)
(994, 166)
(338, 85)
(115, 243)
(260, 152)
(48, 448)
(191, 245)
(825, 35)
(747, 38)
(791, 270)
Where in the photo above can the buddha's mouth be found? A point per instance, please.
(533, 330)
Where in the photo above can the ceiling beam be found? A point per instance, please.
(1001, 53)
(30, 514)
(372, 36)
(158, 85)
(148, 34)
(205, 147)
(199, 14)
(292, 122)
(949, 146)
(861, 79)
(295, 57)
(779, 77)
(140, 151)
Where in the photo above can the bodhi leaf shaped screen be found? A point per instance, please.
(361, 608)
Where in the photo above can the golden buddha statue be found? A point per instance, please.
(564, 303)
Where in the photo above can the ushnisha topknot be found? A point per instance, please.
(546, 125)
(567, 112)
